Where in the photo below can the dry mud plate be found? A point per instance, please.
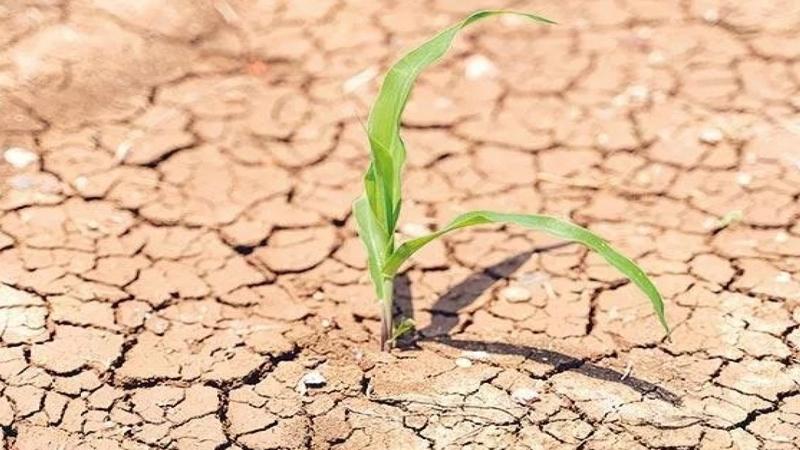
(178, 260)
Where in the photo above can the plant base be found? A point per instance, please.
(386, 325)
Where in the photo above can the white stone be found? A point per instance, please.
(122, 150)
(783, 277)
(711, 15)
(414, 230)
(312, 379)
(479, 66)
(524, 396)
(781, 237)
(463, 362)
(711, 135)
(744, 179)
(515, 294)
(710, 224)
(81, 182)
(20, 158)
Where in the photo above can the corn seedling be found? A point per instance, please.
(377, 211)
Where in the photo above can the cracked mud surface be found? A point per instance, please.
(177, 252)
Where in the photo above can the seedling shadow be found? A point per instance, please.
(445, 319)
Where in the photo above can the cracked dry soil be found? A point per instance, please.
(177, 251)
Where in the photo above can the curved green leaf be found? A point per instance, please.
(382, 181)
(548, 224)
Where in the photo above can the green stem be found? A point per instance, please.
(386, 313)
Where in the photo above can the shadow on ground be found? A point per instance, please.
(445, 319)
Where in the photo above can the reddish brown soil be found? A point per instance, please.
(177, 250)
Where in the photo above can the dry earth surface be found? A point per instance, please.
(178, 260)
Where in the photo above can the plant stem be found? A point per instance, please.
(386, 313)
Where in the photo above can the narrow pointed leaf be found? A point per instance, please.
(548, 224)
(382, 181)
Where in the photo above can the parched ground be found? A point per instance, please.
(180, 271)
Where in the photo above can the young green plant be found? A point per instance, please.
(377, 211)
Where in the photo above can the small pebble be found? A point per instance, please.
(781, 237)
(463, 362)
(711, 16)
(19, 158)
(638, 93)
(515, 294)
(123, 149)
(711, 136)
(479, 66)
(318, 296)
(783, 277)
(524, 396)
(414, 230)
(710, 224)
(312, 379)
(744, 179)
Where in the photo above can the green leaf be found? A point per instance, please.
(406, 326)
(551, 225)
(375, 239)
(382, 181)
